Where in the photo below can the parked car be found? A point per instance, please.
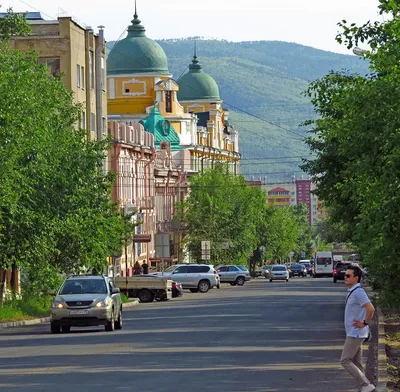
(339, 271)
(258, 272)
(195, 277)
(279, 272)
(297, 270)
(307, 264)
(233, 274)
(86, 300)
(266, 271)
(177, 289)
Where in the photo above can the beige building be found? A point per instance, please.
(79, 56)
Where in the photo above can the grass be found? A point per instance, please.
(25, 309)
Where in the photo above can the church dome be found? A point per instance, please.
(196, 84)
(137, 54)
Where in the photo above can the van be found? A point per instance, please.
(323, 264)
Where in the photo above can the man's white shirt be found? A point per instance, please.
(356, 299)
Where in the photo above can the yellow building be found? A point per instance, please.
(79, 55)
(138, 81)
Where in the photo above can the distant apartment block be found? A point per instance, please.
(294, 193)
(79, 55)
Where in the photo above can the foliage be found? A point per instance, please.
(55, 210)
(13, 24)
(24, 308)
(265, 79)
(357, 144)
(223, 209)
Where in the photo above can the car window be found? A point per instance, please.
(84, 286)
(181, 270)
(278, 268)
(324, 260)
(223, 269)
(232, 268)
(241, 267)
(203, 268)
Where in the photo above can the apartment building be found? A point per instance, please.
(79, 56)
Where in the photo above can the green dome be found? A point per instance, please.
(137, 54)
(196, 84)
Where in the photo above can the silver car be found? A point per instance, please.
(233, 274)
(195, 277)
(279, 272)
(86, 300)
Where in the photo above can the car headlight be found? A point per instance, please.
(57, 305)
(103, 304)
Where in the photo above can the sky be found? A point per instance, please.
(307, 22)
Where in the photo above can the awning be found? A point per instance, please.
(142, 238)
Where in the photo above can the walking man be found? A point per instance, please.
(358, 313)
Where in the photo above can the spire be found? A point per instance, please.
(195, 66)
(136, 29)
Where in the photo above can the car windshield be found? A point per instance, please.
(279, 268)
(84, 286)
(296, 266)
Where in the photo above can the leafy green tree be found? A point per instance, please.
(224, 209)
(13, 24)
(55, 210)
(357, 144)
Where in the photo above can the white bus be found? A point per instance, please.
(323, 264)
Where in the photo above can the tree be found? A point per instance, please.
(357, 147)
(13, 24)
(55, 209)
(224, 209)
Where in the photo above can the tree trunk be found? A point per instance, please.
(3, 277)
(14, 277)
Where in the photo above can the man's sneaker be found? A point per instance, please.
(368, 388)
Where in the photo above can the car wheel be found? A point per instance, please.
(54, 328)
(118, 323)
(204, 286)
(194, 290)
(287, 280)
(110, 326)
(145, 296)
(65, 328)
(240, 281)
(270, 280)
(218, 286)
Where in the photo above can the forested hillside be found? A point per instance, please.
(261, 83)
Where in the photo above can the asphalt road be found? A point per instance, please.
(260, 337)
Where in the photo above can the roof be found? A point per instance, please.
(29, 15)
(279, 189)
(162, 130)
(137, 53)
(197, 85)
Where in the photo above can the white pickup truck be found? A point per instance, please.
(145, 287)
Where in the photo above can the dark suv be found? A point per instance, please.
(339, 270)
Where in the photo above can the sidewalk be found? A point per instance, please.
(12, 324)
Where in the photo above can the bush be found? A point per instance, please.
(25, 308)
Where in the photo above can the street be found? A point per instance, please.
(260, 337)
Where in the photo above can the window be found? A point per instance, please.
(83, 122)
(92, 122)
(223, 269)
(233, 269)
(103, 74)
(324, 260)
(91, 69)
(52, 64)
(181, 270)
(168, 101)
(83, 77)
(78, 76)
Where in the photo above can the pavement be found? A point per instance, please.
(262, 337)
(11, 324)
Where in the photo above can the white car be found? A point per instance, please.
(195, 277)
(279, 272)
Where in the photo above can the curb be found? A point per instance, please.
(22, 323)
(382, 375)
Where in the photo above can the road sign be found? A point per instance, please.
(162, 246)
(205, 250)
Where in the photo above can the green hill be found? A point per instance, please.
(261, 83)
